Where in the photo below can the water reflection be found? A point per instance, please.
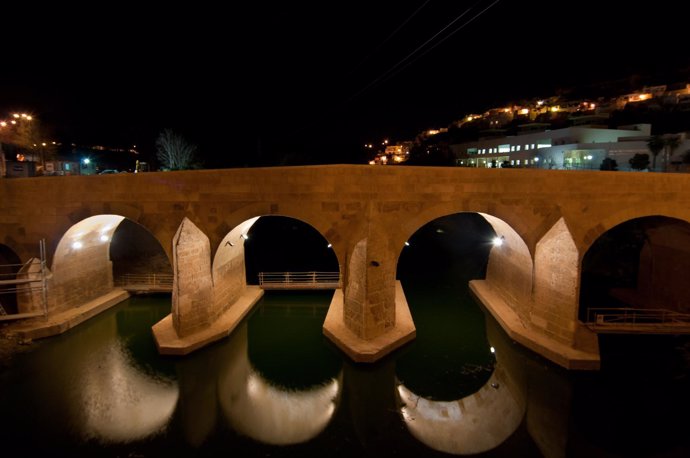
(266, 412)
(90, 384)
(119, 402)
(102, 390)
(472, 424)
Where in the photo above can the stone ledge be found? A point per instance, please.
(169, 343)
(368, 351)
(60, 322)
(559, 353)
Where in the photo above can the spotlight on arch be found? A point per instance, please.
(104, 238)
(407, 243)
(245, 236)
(329, 246)
(77, 245)
(498, 241)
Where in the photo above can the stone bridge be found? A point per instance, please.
(548, 220)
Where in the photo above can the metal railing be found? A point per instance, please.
(299, 280)
(602, 316)
(145, 282)
(19, 281)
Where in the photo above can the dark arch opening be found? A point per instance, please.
(134, 250)
(284, 244)
(450, 357)
(9, 266)
(285, 338)
(641, 263)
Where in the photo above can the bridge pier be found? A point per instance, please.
(204, 308)
(370, 318)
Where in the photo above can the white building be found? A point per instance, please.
(576, 147)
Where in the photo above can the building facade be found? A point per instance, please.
(570, 148)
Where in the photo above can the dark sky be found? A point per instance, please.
(310, 81)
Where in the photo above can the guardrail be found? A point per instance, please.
(299, 280)
(145, 282)
(22, 281)
(637, 321)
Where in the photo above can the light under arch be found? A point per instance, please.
(510, 266)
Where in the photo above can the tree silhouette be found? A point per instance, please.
(656, 145)
(639, 161)
(671, 143)
(174, 152)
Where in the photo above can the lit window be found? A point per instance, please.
(517, 148)
(503, 148)
(512, 148)
(512, 162)
(532, 147)
(517, 162)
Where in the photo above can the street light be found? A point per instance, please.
(588, 158)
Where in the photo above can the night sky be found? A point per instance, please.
(311, 83)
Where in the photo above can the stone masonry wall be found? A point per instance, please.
(192, 296)
(81, 275)
(355, 289)
(229, 280)
(30, 296)
(509, 271)
(332, 199)
(555, 305)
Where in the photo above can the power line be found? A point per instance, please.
(386, 75)
(443, 39)
(380, 45)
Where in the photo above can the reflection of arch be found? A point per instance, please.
(474, 424)
(274, 415)
(120, 403)
(268, 413)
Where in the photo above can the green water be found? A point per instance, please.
(277, 387)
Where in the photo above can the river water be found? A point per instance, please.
(276, 387)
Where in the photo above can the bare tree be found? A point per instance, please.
(173, 151)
